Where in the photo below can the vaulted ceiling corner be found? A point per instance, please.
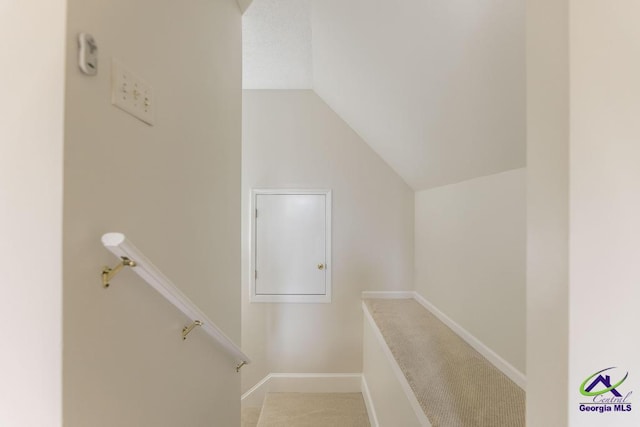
(436, 88)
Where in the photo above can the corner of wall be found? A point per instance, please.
(173, 188)
(470, 240)
(292, 139)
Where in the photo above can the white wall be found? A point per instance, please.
(547, 213)
(604, 201)
(291, 139)
(470, 258)
(174, 190)
(31, 146)
(390, 402)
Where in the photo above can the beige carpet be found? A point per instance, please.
(314, 410)
(250, 417)
(454, 384)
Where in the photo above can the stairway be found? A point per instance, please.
(309, 410)
(445, 378)
(416, 372)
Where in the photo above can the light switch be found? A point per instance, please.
(131, 94)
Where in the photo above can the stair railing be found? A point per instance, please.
(131, 257)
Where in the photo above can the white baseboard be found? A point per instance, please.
(505, 367)
(368, 402)
(387, 294)
(301, 383)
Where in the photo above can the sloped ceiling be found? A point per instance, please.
(244, 5)
(435, 87)
(276, 45)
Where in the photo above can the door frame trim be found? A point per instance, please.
(323, 298)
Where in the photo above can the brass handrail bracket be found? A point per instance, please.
(108, 273)
(187, 329)
(240, 366)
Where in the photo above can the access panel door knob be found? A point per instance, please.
(320, 266)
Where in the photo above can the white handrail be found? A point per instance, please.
(118, 244)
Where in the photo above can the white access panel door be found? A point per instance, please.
(291, 247)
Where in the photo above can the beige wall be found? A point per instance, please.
(174, 190)
(31, 146)
(470, 258)
(583, 205)
(547, 213)
(292, 139)
(604, 202)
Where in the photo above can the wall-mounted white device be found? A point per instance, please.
(87, 54)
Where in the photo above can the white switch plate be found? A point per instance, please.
(131, 94)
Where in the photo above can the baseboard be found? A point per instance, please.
(301, 383)
(505, 367)
(368, 403)
(388, 294)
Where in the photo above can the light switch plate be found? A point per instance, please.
(131, 94)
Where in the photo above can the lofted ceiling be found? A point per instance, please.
(244, 5)
(435, 87)
(276, 45)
